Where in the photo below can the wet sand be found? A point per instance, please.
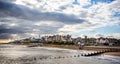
(21, 54)
(113, 53)
(89, 48)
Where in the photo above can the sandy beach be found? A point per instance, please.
(113, 53)
(89, 48)
(52, 54)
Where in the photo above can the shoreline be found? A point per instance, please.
(88, 48)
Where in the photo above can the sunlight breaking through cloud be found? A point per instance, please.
(55, 17)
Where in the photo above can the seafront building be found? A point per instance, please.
(57, 38)
(68, 38)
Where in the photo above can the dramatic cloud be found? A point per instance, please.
(27, 18)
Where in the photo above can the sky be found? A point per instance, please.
(31, 18)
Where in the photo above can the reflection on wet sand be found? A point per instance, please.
(11, 54)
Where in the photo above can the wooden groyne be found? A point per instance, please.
(101, 52)
(72, 56)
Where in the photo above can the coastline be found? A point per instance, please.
(88, 48)
(47, 54)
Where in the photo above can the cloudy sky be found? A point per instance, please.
(29, 18)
